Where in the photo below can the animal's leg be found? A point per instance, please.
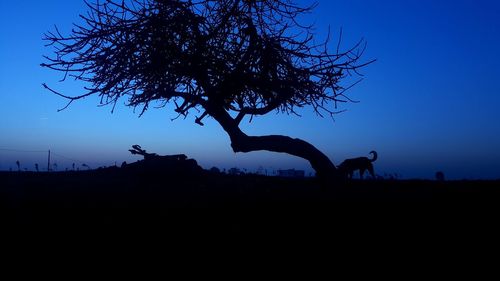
(370, 169)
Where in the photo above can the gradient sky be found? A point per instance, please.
(431, 101)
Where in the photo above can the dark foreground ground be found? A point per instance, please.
(116, 203)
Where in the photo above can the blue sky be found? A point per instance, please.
(429, 103)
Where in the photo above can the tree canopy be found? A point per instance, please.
(220, 58)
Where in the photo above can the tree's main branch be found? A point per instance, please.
(240, 142)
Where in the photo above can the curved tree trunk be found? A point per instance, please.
(240, 142)
(277, 143)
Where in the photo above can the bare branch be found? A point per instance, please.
(247, 56)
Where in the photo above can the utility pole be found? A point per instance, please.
(48, 163)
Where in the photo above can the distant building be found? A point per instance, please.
(234, 171)
(291, 173)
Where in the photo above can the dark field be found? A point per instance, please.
(114, 201)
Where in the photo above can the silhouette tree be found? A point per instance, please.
(439, 176)
(36, 167)
(18, 166)
(226, 59)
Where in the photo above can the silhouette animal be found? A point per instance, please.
(349, 166)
